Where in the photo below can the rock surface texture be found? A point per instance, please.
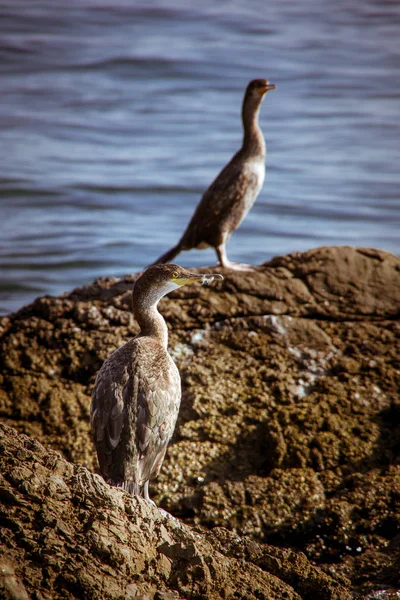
(80, 538)
(288, 436)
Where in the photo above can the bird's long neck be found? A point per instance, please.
(253, 138)
(150, 321)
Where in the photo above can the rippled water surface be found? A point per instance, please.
(116, 115)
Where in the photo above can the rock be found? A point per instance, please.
(290, 420)
(67, 534)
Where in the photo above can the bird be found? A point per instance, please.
(226, 202)
(137, 391)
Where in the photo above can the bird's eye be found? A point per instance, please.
(174, 275)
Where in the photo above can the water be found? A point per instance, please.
(116, 115)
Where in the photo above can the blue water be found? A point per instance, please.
(116, 115)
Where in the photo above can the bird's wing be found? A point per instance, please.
(227, 199)
(134, 407)
(108, 407)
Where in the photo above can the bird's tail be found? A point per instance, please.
(131, 487)
(168, 256)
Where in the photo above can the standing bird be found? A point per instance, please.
(137, 392)
(231, 195)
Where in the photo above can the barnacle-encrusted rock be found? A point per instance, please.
(290, 421)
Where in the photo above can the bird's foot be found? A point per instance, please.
(150, 501)
(236, 266)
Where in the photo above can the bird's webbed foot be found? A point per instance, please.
(227, 264)
(236, 266)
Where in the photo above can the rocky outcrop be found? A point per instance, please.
(290, 421)
(67, 534)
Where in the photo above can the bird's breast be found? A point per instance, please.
(252, 183)
(256, 169)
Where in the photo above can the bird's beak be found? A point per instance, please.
(268, 87)
(197, 278)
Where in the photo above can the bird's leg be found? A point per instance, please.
(146, 494)
(227, 264)
(223, 259)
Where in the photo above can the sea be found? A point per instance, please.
(116, 115)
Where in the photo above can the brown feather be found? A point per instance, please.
(135, 405)
(233, 192)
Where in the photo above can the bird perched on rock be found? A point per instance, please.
(137, 392)
(231, 195)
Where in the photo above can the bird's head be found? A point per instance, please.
(258, 87)
(159, 280)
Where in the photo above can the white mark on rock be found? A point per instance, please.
(180, 351)
(274, 321)
(198, 336)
